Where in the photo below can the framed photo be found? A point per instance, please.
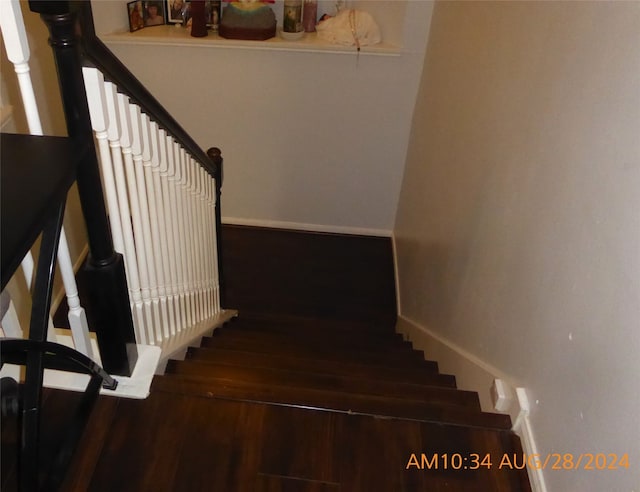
(154, 14)
(135, 11)
(213, 11)
(177, 11)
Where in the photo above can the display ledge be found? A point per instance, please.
(172, 35)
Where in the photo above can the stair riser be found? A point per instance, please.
(404, 358)
(285, 325)
(328, 339)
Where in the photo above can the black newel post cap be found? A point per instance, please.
(50, 8)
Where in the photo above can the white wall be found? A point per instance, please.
(518, 228)
(308, 138)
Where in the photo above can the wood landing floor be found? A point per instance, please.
(299, 394)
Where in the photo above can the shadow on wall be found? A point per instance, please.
(430, 266)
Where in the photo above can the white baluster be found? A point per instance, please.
(186, 197)
(135, 181)
(119, 140)
(201, 238)
(193, 227)
(144, 181)
(178, 232)
(9, 317)
(211, 214)
(94, 85)
(125, 181)
(213, 185)
(76, 315)
(17, 47)
(210, 243)
(158, 232)
(167, 232)
(206, 247)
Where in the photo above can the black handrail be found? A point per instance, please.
(98, 55)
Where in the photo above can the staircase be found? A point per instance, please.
(292, 402)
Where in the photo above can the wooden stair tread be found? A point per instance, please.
(404, 358)
(185, 442)
(257, 385)
(339, 383)
(383, 407)
(418, 375)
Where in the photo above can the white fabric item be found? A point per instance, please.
(340, 29)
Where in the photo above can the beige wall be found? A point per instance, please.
(518, 232)
(308, 138)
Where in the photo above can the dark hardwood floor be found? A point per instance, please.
(308, 390)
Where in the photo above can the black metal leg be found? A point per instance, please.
(29, 422)
(72, 434)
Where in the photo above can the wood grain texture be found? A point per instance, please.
(285, 402)
(309, 274)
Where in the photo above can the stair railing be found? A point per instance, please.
(155, 281)
(162, 190)
(17, 48)
(165, 190)
(161, 222)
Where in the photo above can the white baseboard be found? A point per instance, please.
(297, 226)
(396, 270)
(474, 374)
(471, 373)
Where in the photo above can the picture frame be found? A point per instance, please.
(135, 13)
(213, 10)
(154, 13)
(177, 11)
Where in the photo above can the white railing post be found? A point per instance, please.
(17, 47)
(76, 315)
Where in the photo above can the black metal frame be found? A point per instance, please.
(37, 354)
